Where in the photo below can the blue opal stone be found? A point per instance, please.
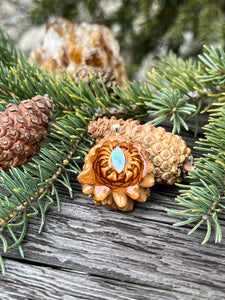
(118, 159)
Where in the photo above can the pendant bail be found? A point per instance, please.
(116, 128)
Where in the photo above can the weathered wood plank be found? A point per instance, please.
(88, 252)
(35, 282)
(140, 248)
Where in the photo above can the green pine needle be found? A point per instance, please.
(171, 104)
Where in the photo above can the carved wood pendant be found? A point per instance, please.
(116, 172)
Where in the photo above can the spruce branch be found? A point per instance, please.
(187, 85)
(174, 91)
(204, 198)
(66, 95)
(37, 181)
(171, 104)
(16, 81)
(214, 66)
(9, 54)
(97, 102)
(180, 74)
(213, 71)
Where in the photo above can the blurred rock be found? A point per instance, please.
(27, 41)
(13, 18)
(189, 46)
(69, 46)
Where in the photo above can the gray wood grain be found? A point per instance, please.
(88, 252)
(48, 283)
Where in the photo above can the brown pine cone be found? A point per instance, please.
(168, 152)
(104, 126)
(22, 128)
(107, 77)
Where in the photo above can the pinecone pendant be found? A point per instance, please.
(22, 128)
(116, 173)
(168, 152)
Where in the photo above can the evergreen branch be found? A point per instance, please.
(134, 94)
(202, 202)
(96, 100)
(174, 91)
(213, 75)
(194, 83)
(36, 182)
(213, 66)
(171, 103)
(204, 199)
(15, 81)
(180, 74)
(9, 54)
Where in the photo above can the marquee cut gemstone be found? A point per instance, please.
(118, 159)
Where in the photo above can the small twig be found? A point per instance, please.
(212, 208)
(114, 111)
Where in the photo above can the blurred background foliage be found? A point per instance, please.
(145, 28)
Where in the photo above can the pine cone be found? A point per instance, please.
(104, 126)
(116, 173)
(107, 77)
(168, 152)
(22, 128)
